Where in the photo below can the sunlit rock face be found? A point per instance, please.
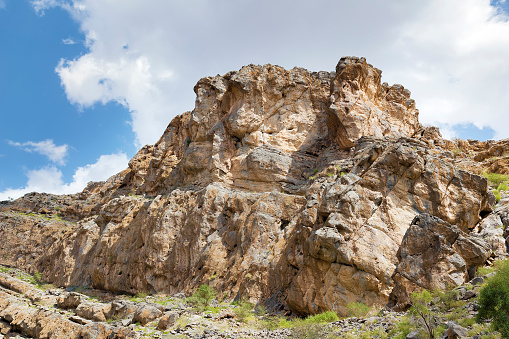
(286, 187)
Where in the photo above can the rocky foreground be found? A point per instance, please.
(300, 191)
(31, 309)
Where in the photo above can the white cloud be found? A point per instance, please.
(462, 48)
(69, 41)
(41, 5)
(148, 55)
(50, 179)
(56, 154)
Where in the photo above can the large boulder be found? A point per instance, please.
(435, 255)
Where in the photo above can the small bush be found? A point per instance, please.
(503, 187)
(357, 309)
(448, 299)
(483, 271)
(497, 195)
(202, 297)
(457, 151)
(494, 300)
(495, 179)
(244, 311)
(214, 309)
(422, 312)
(261, 310)
(324, 318)
(402, 328)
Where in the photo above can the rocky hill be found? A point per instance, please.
(297, 190)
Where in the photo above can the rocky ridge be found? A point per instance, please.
(295, 189)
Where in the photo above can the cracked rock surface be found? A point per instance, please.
(290, 188)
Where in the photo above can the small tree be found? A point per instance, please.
(421, 310)
(202, 297)
(494, 300)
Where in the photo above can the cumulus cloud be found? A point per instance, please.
(56, 154)
(50, 179)
(148, 55)
(455, 59)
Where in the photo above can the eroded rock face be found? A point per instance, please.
(435, 255)
(283, 186)
(361, 105)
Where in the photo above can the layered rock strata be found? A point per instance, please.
(286, 187)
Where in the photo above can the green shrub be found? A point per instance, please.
(261, 310)
(457, 151)
(497, 195)
(244, 311)
(482, 271)
(214, 309)
(323, 318)
(357, 309)
(202, 297)
(495, 179)
(422, 312)
(448, 299)
(402, 328)
(494, 300)
(503, 187)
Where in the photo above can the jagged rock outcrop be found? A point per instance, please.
(435, 255)
(283, 186)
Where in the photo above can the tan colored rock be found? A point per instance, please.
(70, 300)
(36, 322)
(145, 313)
(362, 106)
(284, 185)
(121, 309)
(167, 320)
(93, 311)
(4, 327)
(435, 255)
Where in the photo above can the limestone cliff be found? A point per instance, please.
(287, 187)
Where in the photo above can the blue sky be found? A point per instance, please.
(84, 84)
(34, 106)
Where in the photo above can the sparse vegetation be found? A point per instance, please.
(498, 196)
(49, 217)
(494, 300)
(138, 297)
(503, 187)
(323, 318)
(357, 309)
(457, 151)
(423, 314)
(202, 297)
(244, 311)
(495, 179)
